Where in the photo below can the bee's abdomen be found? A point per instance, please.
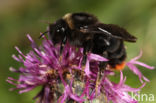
(116, 52)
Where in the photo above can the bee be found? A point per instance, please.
(86, 31)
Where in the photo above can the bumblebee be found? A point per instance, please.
(86, 31)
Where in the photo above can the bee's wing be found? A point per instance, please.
(116, 31)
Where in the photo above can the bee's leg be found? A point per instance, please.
(63, 43)
(97, 83)
(87, 47)
(42, 34)
(84, 56)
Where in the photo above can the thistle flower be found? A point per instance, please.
(132, 67)
(65, 78)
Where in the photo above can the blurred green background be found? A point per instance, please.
(20, 17)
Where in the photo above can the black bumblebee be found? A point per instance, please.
(84, 30)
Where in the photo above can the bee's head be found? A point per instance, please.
(58, 31)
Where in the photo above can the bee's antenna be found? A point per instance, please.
(42, 34)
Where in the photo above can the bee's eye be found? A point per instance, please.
(60, 29)
(60, 26)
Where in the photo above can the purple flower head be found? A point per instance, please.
(44, 66)
(118, 93)
(64, 77)
(132, 67)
